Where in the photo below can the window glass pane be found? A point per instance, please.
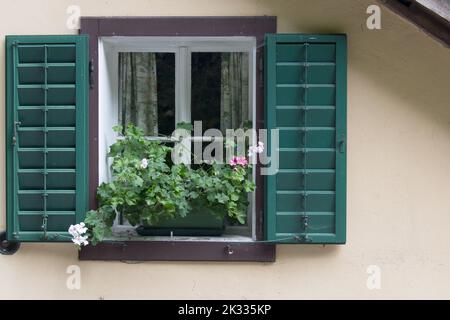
(220, 89)
(147, 91)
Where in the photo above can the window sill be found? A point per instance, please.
(125, 244)
(187, 250)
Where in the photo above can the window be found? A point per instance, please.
(175, 27)
(52, 96)
(156, 83)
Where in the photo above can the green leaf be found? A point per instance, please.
(234, 197)
(241, 219)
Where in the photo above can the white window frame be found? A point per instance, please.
(182, 47)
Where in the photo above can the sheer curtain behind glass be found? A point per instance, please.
(220, 90)
(234, 100)
(138, 91)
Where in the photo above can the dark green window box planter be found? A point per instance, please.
(200, 222)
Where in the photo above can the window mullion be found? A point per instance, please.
(183, 85)
(183, 96)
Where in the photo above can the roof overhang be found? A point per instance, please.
(432, 16)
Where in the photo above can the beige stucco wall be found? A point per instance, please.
(398, 170)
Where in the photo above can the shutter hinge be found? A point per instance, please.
(91, 74)
(341, 145)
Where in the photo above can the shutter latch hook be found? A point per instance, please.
(44, 226)
(14, 138)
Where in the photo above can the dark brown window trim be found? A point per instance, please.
(180, 251)
(97, 27)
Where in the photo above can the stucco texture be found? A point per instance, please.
(398, 170)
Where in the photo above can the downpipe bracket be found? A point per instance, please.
(8, 247)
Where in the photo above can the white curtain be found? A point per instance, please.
(138, 91)
(234, 106)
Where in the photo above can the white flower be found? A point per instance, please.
(80, 240)
(80, 228)
(144, 163)
(259, 148)
(78, 232)
(72, 230)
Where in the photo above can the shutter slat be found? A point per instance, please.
(46, 128)
(48, 107)
(46, 191)
(305, 101)
(49, 86)
(47, 149)
(40, 213)
(47, 96)
(41, 65)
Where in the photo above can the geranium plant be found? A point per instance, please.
(147, 187)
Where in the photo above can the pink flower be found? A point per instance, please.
(233, 161)
(242, 161)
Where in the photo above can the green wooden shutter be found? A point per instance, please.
(46, 135)
(306, 89)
